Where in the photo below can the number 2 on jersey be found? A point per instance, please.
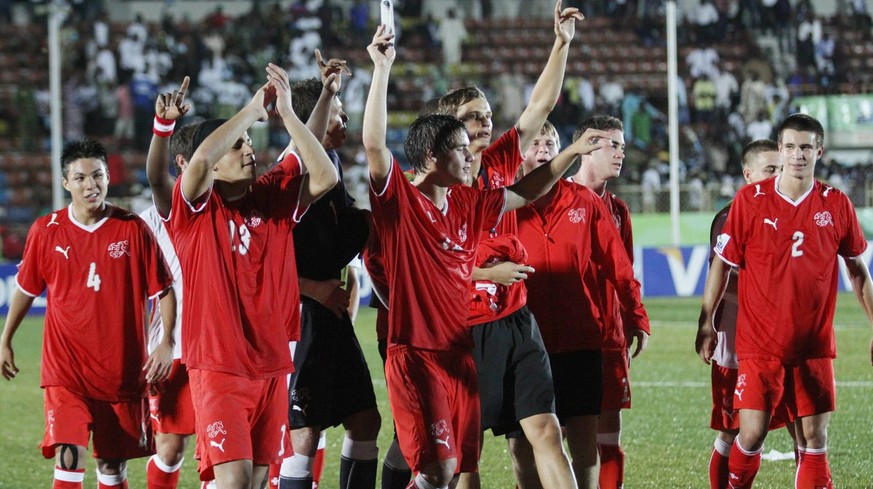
(93, 278)
(798, 240)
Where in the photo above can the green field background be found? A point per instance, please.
(665, 435)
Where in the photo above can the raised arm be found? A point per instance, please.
(713, 291)
(18, 307)
(538, 182)
(331, 77)
(198, 177)
(322, 175)
(169, 107)
(374, 131)
(548, 87)
(859, 276)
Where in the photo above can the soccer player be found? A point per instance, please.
(785, 234)
(331, 384)
(100, 264)
(568, 234)
(233, 235)
(431, 227)
(170, 406)
(619, 330)
(511, 362)
(761, 160)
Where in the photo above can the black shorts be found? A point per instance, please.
(331, 380)
(515, 381)
(578, 380)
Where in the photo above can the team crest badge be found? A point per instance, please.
(119, 249)
(823, 218)
(254, 221)
(215, 428)
(577, 215)
(497, 180)
(462, 234)
(440, 427)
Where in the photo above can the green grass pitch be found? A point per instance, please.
(666, 436)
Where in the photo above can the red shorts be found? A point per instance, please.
(238, 419)
(71, 418)
(435, 401)
(170, 406)
(724, 415)
(616, 380)
(805, 389)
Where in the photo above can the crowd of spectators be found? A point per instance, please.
(112, 71)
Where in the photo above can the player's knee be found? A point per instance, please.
(305, 440)
(170, 448)
(521, 451)
(816, 438)
(111, 467)
(363, 425)
(70, 457)
(542, 431)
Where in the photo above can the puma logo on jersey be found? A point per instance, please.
(54, 220)
(443, 442)
(298, 408)
(826, 190)
(63, 251)
(219, 446)
(739, 393)
(772, 223)
(758, 190)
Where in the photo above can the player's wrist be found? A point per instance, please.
(163, 127)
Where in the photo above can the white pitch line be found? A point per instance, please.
(861, 384)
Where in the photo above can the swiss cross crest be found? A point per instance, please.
(576, 215)
(215, 429)
(119, 249)
(254, 221)
(440, 427)
(497, 180)
(823, 218)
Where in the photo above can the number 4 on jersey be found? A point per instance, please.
(93, 278)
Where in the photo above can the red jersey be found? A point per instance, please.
(99, 279)
(725, 316)
(500, 164)
(375, 265)
(428, 258)
(615, 322)
(242, 299)
(562, 240)
(787, 255)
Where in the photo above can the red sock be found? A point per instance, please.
(273, 477)
(743, 467)
(813, 472)
(68, 479)
(318, 462)
(718, 464)
(611, 466)
(718, 470)
(161, 476)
